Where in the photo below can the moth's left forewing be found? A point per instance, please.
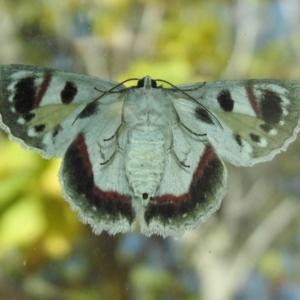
(38, 103)
(259, 118)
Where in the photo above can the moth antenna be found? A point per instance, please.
(116, 86)
(105, 93)
(186, 94)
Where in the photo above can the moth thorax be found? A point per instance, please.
(145, 163)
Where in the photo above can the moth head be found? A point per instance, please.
(147, 82)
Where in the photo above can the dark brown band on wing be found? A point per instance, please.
(199, 199)
(78, 181)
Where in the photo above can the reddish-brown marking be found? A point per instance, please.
(79, 143)
(169, 198)
(253, 101)
(208, 156)
(111, 196)
(42, 90)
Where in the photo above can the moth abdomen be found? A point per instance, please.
(145, 162)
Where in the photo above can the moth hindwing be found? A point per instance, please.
(146, 154)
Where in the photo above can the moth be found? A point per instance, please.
(146, 156)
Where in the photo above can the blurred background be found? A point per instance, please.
(248, 250)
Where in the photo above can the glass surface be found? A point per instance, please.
(248, 250)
